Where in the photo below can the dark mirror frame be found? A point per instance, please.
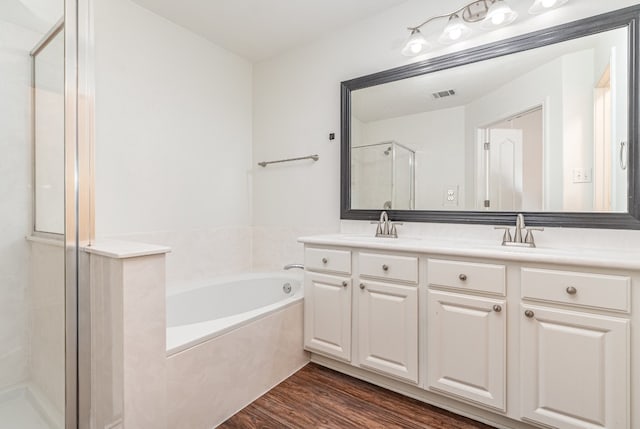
(624, 18)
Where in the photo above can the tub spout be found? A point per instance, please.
(290, 266)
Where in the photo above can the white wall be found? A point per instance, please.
(173, 142)
(296, 104)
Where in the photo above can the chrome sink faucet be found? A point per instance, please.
(518, 240)
(386, 228)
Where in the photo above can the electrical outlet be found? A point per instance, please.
(581, 175)
(450, 195)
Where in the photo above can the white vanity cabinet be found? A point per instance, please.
(467, 331)
(388, 314)
(516, 339)
(574, 364)
(327, 303)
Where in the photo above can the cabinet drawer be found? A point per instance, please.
(583, 289)
(337, 261)
(392, 267)
(487, 278)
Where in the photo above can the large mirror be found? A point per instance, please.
(542, 124)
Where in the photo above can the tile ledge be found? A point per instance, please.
(45, 240)
(118, 249)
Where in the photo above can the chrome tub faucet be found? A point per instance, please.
(290, 266)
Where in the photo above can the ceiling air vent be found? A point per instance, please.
(442, 94)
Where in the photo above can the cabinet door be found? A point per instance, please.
(388, 329)
(466, 347)
(327, 315)
(574, 369)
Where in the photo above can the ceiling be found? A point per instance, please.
(259, 29)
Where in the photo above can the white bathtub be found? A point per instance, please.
(206, 311)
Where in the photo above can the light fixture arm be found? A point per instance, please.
(433, 18)
(466, 17)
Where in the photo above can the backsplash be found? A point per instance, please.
(550, 237)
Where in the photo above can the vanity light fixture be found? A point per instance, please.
(416, 44)
(541, 6)
(455, 30)
(492, 14)
(499, 14)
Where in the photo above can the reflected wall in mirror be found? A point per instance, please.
(538, 130)
(542, 123)
(383, 175)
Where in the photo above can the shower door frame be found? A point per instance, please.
(78, 205)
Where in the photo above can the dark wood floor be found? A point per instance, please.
(317, 397)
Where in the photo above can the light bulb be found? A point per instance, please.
(498, 18)
(415, 44)
(499, 14)
(455, 30)
(541, 6)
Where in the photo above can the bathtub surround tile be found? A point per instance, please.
(128, 341)
(208, 383)
(201, 254)
(107, 359)
(144, 346)
(118, 249)
(276, 246)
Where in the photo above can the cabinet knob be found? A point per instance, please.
(571, 290)
(325, 260)
(385, 267)
(362, 286)
(345, 283)
(529, 313)
(462, 277)
(497, 308)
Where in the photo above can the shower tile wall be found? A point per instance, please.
(276, 246)
(15, 200)
(46, 322)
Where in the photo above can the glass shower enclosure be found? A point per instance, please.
(383, 176)
(38, 206)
